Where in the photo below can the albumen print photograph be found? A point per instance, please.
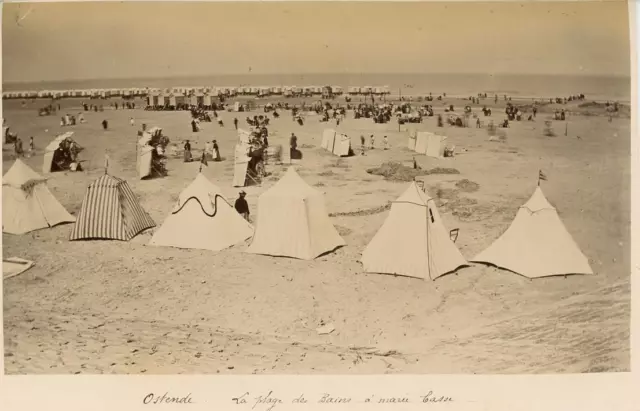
(316, 188)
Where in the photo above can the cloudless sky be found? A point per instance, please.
(123, 40)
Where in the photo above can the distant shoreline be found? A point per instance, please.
(456, 85)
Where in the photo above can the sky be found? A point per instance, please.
(75, 41)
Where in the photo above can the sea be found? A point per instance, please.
(616, 88)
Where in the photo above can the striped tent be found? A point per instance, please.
(110, 211)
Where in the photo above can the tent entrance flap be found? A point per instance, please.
(240, 173)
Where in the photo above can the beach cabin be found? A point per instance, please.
(366, 90)
(161, 100)
(276, 90)
(353, 90)
(337, 90)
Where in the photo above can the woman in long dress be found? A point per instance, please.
(216, 151)
(187, 152)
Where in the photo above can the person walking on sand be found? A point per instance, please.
(235, 122)
(385, 141)
(32, 145)
(105, 124)
(220, 122)
(372, 141)
(187, 152)
(216, 151)
(241, 205)
(132, 121)
(362, 143)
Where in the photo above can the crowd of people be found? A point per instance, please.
(71, 120)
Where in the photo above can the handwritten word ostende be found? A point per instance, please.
(167, 399)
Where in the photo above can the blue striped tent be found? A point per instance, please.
(110, 211)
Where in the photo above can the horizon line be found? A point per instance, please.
(619, 75)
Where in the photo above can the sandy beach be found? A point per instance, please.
(126, 307)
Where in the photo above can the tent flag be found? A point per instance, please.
(541, 176)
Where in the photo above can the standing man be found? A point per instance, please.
(17, 145)
(235, 122)
(241, 205)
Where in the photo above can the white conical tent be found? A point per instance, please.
(413, 240)
(536, 244)
(293, 221)
(27, 203)
(202, 219)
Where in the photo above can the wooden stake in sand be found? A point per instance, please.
(566, 129)
(106, 163)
